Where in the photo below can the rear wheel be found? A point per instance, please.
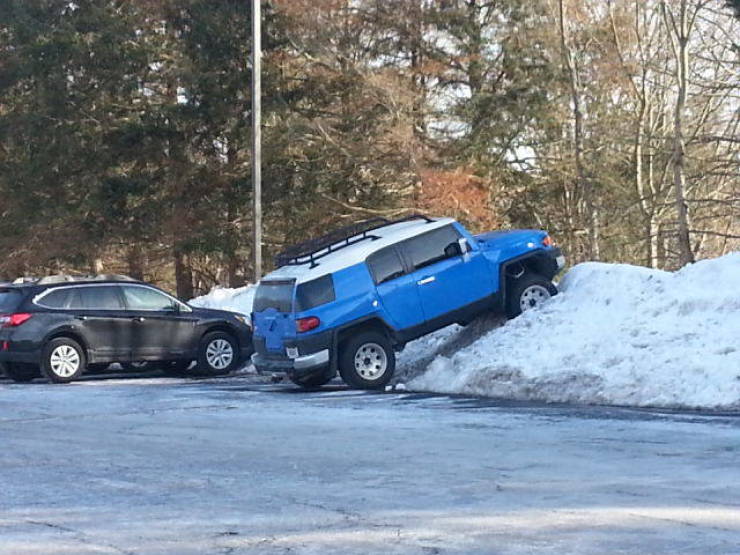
(218, 354)
(367, 360)
(63, 360)
(21, 373)
(527, 292)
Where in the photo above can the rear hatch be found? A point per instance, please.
(273, 316)
(10, 299)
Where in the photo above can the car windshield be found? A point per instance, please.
(274, 294)
(9, 300)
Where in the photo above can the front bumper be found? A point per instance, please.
(300, 365)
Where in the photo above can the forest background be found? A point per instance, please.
(125, 128)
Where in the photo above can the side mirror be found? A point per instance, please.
(452, 250)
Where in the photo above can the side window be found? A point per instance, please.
(315, 293)
(431, 247)
(385, 265)
(56, 298)
(97, 298)
(143, 298)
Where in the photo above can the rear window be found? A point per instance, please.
(274, 294)
(315, 293)
(9, 300)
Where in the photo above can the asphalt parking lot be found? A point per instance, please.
(146, 464)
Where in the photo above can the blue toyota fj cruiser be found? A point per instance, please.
(346, 301)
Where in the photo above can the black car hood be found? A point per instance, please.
(215, 313)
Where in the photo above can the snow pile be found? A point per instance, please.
(616, 334)
(222, 298)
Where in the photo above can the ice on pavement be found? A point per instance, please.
(617, 334)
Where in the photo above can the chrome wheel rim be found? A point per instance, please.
(533, 296)
(219, 354)
(371, 361)
(65, 361)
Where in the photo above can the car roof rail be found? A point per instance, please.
(314, 249)
(63, 278)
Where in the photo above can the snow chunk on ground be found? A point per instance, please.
(616, 334)
(236, 300)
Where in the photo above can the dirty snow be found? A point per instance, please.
(617, 334)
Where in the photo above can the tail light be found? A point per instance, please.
(307, 324)
(547, 241)
(14, 320)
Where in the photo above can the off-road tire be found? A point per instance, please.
(47, 364)
(350, 355)
(207, 365)
(20, 372)
(527, 282)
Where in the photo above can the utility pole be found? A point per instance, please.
(257, 137)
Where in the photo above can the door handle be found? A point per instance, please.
(424, 281)
(138, 319)
(82, 318)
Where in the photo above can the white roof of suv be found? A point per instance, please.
(357, 252)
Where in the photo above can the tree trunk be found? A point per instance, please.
(183, 276)
(680, 38)
(136, 262)
(585, 185)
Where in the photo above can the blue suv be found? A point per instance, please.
(347, 301)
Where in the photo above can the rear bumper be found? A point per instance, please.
(31, 357)
(305, 364)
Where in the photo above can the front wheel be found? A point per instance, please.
(218, 354)
(63, 360)
(527, 292)
(367, 361)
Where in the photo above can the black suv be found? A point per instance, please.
(64, 326)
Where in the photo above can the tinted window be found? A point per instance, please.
(9, 300)
(385, 265)
(56, 298)
(315, 293)
(95, 298)
(274, 294)
(430, 248)
(143, 298)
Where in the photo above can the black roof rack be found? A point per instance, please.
(314, 249)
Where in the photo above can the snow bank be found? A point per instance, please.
(222, 298)
(617, 334)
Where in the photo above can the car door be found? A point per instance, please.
(448, 279)
(397, 290)
(163, 326)
(101, 320)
